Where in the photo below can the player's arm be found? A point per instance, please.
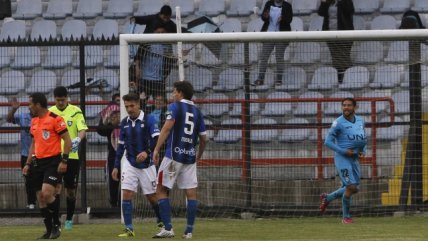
(330, 140)
(202, 143)
(62, 167)
(144, 20)
(166, 129)
(119, 152)
(14, 104)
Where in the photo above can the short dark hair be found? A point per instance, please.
(39, 98)
(60, 91)
(354, 102)
(166, 10)
(184, 87)
(114, 96)
(131, 97)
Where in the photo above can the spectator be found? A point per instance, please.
(163, 18)
(158, 115)
(411, 20)
(338, 15)
(277, 16)
(109, 127)
(24, 121)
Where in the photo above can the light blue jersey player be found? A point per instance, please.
(184, 129)
(348, 139)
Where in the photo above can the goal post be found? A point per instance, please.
(266, 153)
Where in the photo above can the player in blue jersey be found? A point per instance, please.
(138, 133)
(348, 139)
(184, 125)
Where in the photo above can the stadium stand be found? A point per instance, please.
(366, 6)
(316, 23)
(364, 107)
(324, 78)
(268, 82)
(215, 110)
(367, 52)
(112, 57)
(297, 24)
(386, 77)
(73, 29)
(28, 9)
(200, 78)
(26, 58)
(231, 25)
(44, 30)
(111, 80)
(277, 109)
(12, 82)
(391, 133)
(237, 57)
(88, 9)
(307, 108)
(306, 53)
(229, 136)
(398, 52)
(187, 7)
(119, 9)
(210, 59)
(295, 134)
(93, 57)
(71, 77)
(9, 139)
(255, 25)
(58, 9)
(241, 8)
(13, 30)
(3, 109)
(229, 80)
(395, 6)
(92, 111)
(304, 7)
(4, 57)
(420, 6)
(148, 7)
(264, 136)
(383, 22)
(293, 79)
(237, 107)
(107, 28)
(42, 81)
(359, 23)
(211, 8)
(356, 78)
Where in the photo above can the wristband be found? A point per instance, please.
(64, 158)
(28, 164)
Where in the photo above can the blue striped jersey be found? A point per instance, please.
(135, 137)
(183, 138)
(344, 135)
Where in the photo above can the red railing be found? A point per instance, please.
(319, 160)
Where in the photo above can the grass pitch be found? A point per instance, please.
(326, 228)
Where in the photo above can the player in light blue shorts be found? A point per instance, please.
(348, 139)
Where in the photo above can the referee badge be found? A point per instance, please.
(46, 134)
(69, 123)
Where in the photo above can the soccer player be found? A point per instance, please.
(183, 125)
(76, 127)
(137, 133)
(348, 139)
(47, 130)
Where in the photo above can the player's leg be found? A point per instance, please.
(351, 189)
(37, 180)
(187, 180)
(70, 184)
(148, 186)
(326, 198)
(129, 179)
(264, 58)
(48, 200)
(113, 185)
(55, 214)
(279, 54)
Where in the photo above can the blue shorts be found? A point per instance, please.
(348, 170)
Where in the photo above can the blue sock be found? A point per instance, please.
(346, 204)
(156, 210)
(165, 212)
(191, 215)
(127, 213)
(336, 194)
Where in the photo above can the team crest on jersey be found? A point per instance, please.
(46, 134)
(168, 115)
(69, 123)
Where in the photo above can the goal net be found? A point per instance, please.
(269, 100)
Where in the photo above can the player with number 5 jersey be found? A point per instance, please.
(184, 128)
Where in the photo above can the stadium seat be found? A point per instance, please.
(88, 9)
(237, 57)
(356, 78)
(71, 77)
(237, 107)
(148, 7)
(364, 107)
(111, 80)
(264, 135)
(335, 108)
(306, 53)
(296, 134)
(4, 57)
(324, 78)
(229, 80)
(208, 58)
(113, 60)
(307, 108)
(26, 58)
(200, 78)
(398, 52)
(359, 23)
(13, 30)
(392, 133)
(255, 25)
(74, 28)
(42, 81)
(58, 9)
(424, 53)
(297, 24)
(315, 23)
(12, 82)
(386, 77)
(215, 110)
(187, 7)
(367, 52)
(277, 109)
(420, 6)
(395, 6)
(229, 135)
(401, 102)
(93, 57)
(211, 8)
(383, 22)
(241, 8)
(4, 109)
(119, 9)
(44, 29)
(269, 80)
(92, 111)
(231, 25)
(293, 79)
(107, 28)
(304, 7)
(28, 9)
(366, 6)
(314, 136)
(9, 139)
(94, 139)
(190, 57)
(210, 133)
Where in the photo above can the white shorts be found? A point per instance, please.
(170, 171)
(131, 176)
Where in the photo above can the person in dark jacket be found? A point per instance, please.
(277, 16)
(163, 18)
(338, 15)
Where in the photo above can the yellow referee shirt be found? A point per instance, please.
(73, 118)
